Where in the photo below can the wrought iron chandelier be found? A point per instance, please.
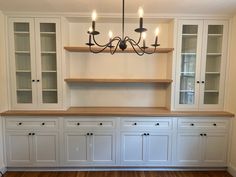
(122, 42)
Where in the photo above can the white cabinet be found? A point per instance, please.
(31, 148)
(32, 141)
(146, 141)
(202, 142)
(201, 64)
(35, 63)
(89, 141)
(145, 148)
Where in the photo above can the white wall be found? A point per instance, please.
(231, 97)
(3, 85)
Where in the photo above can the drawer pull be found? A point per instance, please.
(148, 134)
(100, 124)
(214, 124)
(78, 123)
(201, 134)
(88, 134)
(135, 123)
(33, 134)
(145, 134)
(192, 124)
(20, 123)
(43, 123)
(205, 134)
(157, 124)
(30, 134)
(91, 134)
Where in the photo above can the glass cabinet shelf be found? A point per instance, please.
(24, 90)
(213, 73)
(214, 54)
(23, 52)
(23, 71)
(211, 91)
(187, 91)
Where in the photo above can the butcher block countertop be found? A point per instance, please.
(118, 111)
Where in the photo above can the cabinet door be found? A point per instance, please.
(48, 62)
(18, 149)
(159, 148)
(102, 148)
(215, 149)
(76, 148)
(213, 64)
(188, 64)
(45, 151)
(22, 63)
(133, 148)
(189, 149)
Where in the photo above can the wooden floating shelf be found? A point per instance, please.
(128, 50)
(86, 80)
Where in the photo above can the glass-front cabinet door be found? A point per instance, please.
(188, 64)
(34, 62)
(213, 64)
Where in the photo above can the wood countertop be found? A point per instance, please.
(118, 111)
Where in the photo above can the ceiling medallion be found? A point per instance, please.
(122, 41)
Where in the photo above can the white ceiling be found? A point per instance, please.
(211, 7)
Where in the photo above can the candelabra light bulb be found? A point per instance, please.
(94, 15)
(157, 31)
(144, 35)
(140, 12)
(110, 34)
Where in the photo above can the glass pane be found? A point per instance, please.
(23, 63)
(213, 64)
(188, 64)
(48, 62)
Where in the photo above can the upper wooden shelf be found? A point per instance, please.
(128, 50)
(87, 80)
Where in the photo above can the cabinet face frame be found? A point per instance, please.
(181, 23)
(222, 69)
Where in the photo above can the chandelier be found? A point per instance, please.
(139, 46)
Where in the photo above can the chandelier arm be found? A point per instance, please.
(99, 45)
(113, 51)
(139, 53)
(98, 51)
(133, 41)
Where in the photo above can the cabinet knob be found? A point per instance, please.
(198, 82)
(33, 80)
(203, 82)
(135, 123)
(30, 134)
(100, 124)
(43, 123)
(157, 124)
(192, 124)
(33, 134)
(205, 134)
(214, 124)
(148, 134)
(91, 134)
(145, 134)
(201, 134)
(38, 80)
(20, 123)
(88, 134)
(78, 123)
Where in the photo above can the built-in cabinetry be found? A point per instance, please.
(89, 142)
(35, 64)
(202, 142)
(146, 141)
(201, 64)
(32, 142)
(106, 141)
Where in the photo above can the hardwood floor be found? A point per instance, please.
(119, 174)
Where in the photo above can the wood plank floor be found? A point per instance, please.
(119, 174)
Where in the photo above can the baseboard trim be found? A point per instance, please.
(117, 169)
(232, 170)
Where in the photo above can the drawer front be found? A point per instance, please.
(31, 123)
(144, 123)
(203, 124)
(89, 123)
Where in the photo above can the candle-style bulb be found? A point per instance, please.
(140, 12)
(94, 15)
(144, 35)
(90, 29)
(110, 34)
(157, 31)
